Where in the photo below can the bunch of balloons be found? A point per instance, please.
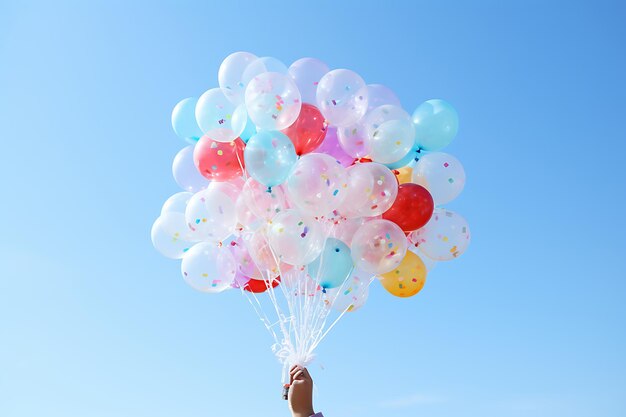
(306, 183)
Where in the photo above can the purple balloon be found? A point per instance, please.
(185, 172)
(331, 147)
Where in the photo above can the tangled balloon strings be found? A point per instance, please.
(303, 185)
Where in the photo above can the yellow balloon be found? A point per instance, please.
(404, 174)
(408, 278)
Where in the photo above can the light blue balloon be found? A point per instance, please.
(436, 124)
(184, 120)
(269, 156)
(333, 266)
(413, 155)
(249, 131)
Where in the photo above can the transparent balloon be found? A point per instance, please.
(352, 295)
(295, 238)
(445, 237)
(259, 248)
(317, 184)
(441, 174)
(170, 235)
(262, 65)
(211, 216)
(232, 187)
(378, 247)
(436, 124)
(333, 266)
(264, 203)
(230, 75)
(269, 157)
(218, 117)
(353, 139)
(208, 268)
(245, 263)
(246, 219)
(177, 203)
(307, 73)
(273, 101)
(407, 279)
(185, 172)
(342, 97)
(372, 189)
(184, 120)
(390, 133)
(378, 95)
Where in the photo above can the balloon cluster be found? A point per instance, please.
(311, 179)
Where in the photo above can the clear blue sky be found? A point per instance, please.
(531, 321)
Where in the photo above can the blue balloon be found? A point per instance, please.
(269, 156)
(184, 120)
(248, 131)
(333, 266)
(413, 155)
(436, 124)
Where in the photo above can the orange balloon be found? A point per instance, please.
(407, 279)
(404, 174)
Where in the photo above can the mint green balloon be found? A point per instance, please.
(269, 156)
(184, 120)
(436, 124)
(333, 266)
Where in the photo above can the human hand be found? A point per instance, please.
(300, 392)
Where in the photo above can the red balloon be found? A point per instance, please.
(412, 209)
(219, 161)
(308, 131)
(259, 285)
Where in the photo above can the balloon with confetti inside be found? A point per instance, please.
(273, 101)
(230, 75)
(379, 246)
(445, 237)
(218, 117)
(208, 267)
(304, 185)
(296, 239)
(317, 184)
(170, 235)
(307, 73)
(353, 295)
(342, 97)
(211, 216)
(441, 174)
(264, 203)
